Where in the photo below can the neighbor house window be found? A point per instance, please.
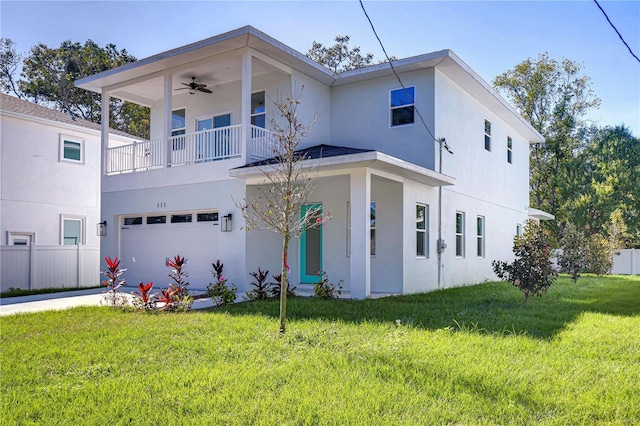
(372, 227)
(258, 110)
(480, 236)
(518, 230)
(509, 149)
(422, 225)
(21, 238)
(71, 149)
(402, 102)
(487, 135)
(178, 127)
(459, 234)
(72, 231)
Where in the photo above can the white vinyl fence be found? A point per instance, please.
(626, 262)
(35, 267)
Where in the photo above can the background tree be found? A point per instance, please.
(276, 205)
(554, 97)
(10, 61)
(48, 76)
(573, 258)
(340, 57)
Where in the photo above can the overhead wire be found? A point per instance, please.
(615, 29)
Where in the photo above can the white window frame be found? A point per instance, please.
(423, 233)
(391, 107)
(81, 219)
(460, 236)
(178, 129)
(509, 150)
(12, 236)
(261, 113)
(487, 134)
(480, 236)
(518, 230)
(73, 139)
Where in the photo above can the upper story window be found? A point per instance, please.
(487, 135)
(402, 102)
(509, 149)
(178, 122)
(71, 149)
(258, 110)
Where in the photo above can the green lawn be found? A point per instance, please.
(474, 355)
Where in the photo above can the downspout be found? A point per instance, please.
(441, 246)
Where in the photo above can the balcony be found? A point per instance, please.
(192, 148)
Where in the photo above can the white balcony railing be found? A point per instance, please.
(192, 148)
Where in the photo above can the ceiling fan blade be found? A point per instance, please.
(182, 88)
(202, 89)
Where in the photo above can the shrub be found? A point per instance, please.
(599, 255)
(262, 287)
(575, 248)
(532, 271)
(325, 289)
(276, 287)
(176, 297)
(144, 300)
(221, 294)
(113, 282)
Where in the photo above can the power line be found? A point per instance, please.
(615, 29)
(415, 107)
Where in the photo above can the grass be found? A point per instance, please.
(473, 355)
(15, 292)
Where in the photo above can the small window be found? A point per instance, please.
(181, 218)
(152, 220)
(72, 231)
(258, 109)
(21, 238)
(509, 149)
(71, 149)
(372, 227)
(207, 217)
(459, 234)
(487, 135)
(422, 225)
(402, 102)
(133, 221)
(480, 236)
(518, 230)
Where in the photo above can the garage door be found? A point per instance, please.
(146, 242)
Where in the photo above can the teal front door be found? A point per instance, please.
(311, 245)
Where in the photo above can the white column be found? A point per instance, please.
(245, 114)
(360, 259)
(104, 130)
(167, 105)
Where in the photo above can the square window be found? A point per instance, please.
(71, 149)
(72, 231)
(402, 102)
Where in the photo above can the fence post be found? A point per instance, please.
(32, 265)
(78, 265)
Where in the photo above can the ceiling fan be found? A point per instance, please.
(193, 86)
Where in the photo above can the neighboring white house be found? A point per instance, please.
(49, 197)
(377, 167)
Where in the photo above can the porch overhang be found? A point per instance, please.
(385, 164)
(540, 214)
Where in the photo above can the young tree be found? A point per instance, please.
(554, 97)
(340, 57)
(276, 205)
(575, 247)
(532, 271)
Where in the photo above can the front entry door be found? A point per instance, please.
(311, 245)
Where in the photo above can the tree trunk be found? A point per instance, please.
(284, 284)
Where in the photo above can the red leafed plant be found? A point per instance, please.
(180, 299)
(144, 299)
(168, 297)
(113, 282)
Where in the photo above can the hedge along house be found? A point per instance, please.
(374, 165)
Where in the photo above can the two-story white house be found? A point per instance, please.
(376, 167)
(49, 197)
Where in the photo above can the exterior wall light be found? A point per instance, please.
(226, 223)
(101, 229)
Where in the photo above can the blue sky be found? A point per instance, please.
(491, 37)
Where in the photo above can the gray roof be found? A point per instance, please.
(314, 152)
(13, 104)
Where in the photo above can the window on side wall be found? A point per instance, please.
(487, 135)
(402, 102)
(422, 227)
(509, 149)
(480, 236)
(459, 234)
(71, 149)
(72, 231)
(518, 230)
(258, 109)
(21, 238)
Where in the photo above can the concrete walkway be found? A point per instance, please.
(67, 300)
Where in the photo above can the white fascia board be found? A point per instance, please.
(342, 163)
(540, 214)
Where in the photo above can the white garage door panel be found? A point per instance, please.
(151, 245)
